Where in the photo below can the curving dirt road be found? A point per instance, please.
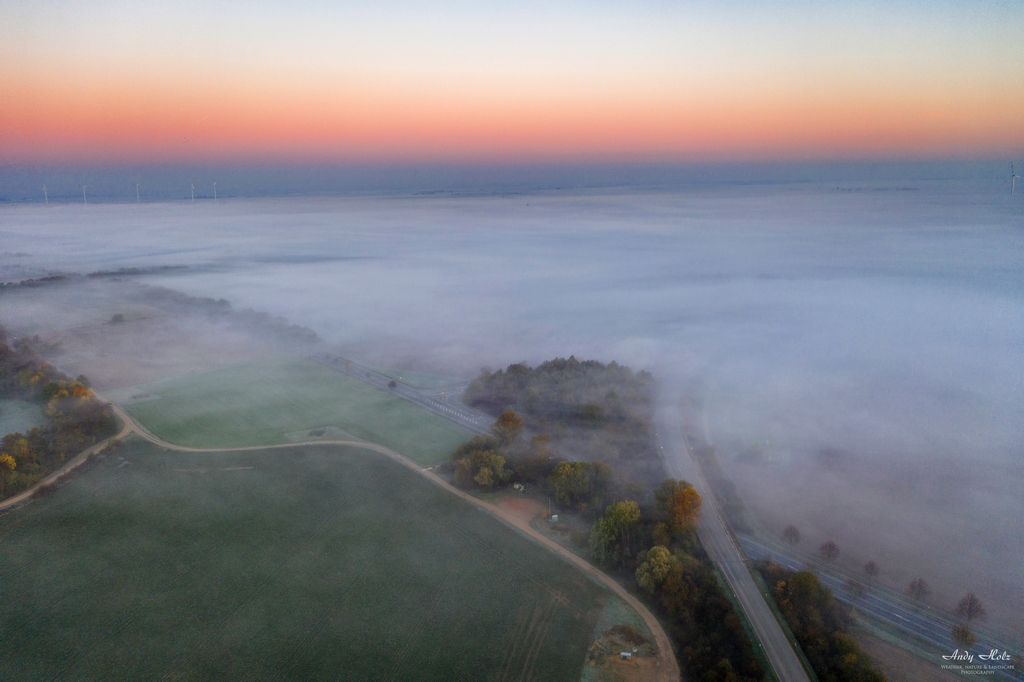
(72, 464)
(667, 668)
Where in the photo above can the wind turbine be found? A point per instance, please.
(1013, 179)
(84, 200)
(215, 190)
(45, 197)
(193, 192)
(137, 199)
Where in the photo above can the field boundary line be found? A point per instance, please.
(667, 667)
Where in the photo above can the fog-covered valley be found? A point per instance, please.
(856, 350)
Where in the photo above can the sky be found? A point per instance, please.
(84, 81)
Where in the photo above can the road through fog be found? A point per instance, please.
(857, 350)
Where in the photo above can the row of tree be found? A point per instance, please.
(969, 608)
(76, 419)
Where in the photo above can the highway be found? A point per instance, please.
(723, 550)
(895, 610)
(712, 529)
(443, 401)
(729, 552)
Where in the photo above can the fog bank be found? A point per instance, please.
(864, 336)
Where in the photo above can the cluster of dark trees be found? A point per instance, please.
(652, 545)
(503, 457)
(592, 411)
(647, 538)
(76, 418)
(820, 624)
(34, 283)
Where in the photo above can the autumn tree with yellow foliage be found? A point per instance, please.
(679, 503)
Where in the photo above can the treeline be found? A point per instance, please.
(820, 624)
(76, 418)
(592, 411)
(644, 536)
(259, 324)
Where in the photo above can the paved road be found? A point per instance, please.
(443, 401)
(723, 550)
(925, 624)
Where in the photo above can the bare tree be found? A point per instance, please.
(791, 535)
(829, 550)
(871, 569)
(918, 589)
(970, 608)
(962, 636)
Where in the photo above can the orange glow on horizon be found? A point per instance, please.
(182, 121)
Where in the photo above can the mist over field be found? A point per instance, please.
(857, 348)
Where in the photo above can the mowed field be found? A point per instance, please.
(306, 563)
(259, 403)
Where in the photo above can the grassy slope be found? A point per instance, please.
(257, 404)
(315, 563)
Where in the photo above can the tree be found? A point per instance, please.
(962, 636)
(918, 589)
(540, 445)
(603, 484)
(508, 428)
(679, 503)
(611, 538)
(571, 483)
(829, 550)
(970, 608)
(791, 535)
(392, 384)
(477, 462)
(871, 569)
(654, 567)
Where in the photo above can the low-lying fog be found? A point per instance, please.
(867, 338)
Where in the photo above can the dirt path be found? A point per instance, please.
(666, 669)
(72, 464)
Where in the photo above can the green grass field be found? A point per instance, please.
(306, 563)
(259, 403)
